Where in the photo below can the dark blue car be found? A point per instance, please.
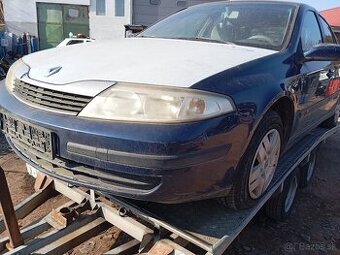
(200, 105)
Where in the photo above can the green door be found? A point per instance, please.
(56, 21)
(75, 20)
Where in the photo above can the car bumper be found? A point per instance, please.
(160, 163)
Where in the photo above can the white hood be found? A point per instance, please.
(142, 60)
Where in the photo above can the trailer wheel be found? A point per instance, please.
(307, 169)
(280, 205)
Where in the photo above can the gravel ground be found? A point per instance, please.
(313, 228)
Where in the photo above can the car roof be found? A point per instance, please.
(266, 1)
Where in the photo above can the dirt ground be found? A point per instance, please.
(313, 228)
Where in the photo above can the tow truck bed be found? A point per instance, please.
(205, 224)
(210, 225)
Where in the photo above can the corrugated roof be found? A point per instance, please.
(332, 16)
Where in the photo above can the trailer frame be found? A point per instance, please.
(158, 229)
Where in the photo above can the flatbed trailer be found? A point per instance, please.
(207, 226)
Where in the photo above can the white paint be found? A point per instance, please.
(141, 60)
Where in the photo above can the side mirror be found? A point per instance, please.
(323, 52)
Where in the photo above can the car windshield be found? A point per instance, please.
(263, 25)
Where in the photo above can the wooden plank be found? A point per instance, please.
(8, 213)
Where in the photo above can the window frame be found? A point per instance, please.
(105, 9)
(317, 22)
(123, 9)
(320, 19)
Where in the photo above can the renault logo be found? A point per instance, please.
(53, 71)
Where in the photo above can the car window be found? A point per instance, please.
(264, 25)
(310, 33)
(327, 32)
(74, 42)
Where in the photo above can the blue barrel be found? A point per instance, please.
(34, 44)
(2, 50)
(20, 46)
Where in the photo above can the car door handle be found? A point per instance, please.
(331, 73)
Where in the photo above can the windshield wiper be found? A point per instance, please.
(202, 39)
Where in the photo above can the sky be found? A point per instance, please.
(320, 4)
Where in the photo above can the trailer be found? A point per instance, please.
(204, 227)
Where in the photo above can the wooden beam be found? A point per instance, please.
(8, 212)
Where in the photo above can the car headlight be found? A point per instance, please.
(149, 103)
(17, 70)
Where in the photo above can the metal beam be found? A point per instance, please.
(128, 248)
(75, 238)
(28, 233)
(129, 225)
(31, 246)
(29, 204)
(8, 212)
(73, 193)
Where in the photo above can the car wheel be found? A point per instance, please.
(279, 206)
(334, 120)
(257, 166)
(307, 169)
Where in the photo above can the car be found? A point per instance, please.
(198, 106)
(73, 41)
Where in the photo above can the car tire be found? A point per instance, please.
(280, 205)
(307, 169)
(242, 195)
(334, 120)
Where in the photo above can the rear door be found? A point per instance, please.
(314, 102)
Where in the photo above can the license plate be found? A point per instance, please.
(36, 139)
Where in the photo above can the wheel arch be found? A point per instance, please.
(284, 106)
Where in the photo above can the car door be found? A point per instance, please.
(313, 101)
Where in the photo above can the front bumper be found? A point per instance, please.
(161, 163)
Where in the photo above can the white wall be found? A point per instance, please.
(145, 13)
(109, 26)
(21, 15)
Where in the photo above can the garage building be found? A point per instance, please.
(53, 20)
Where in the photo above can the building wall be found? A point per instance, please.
(109, 26)
(145, 13)
(21, 15)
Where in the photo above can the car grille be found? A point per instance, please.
(50, 99)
